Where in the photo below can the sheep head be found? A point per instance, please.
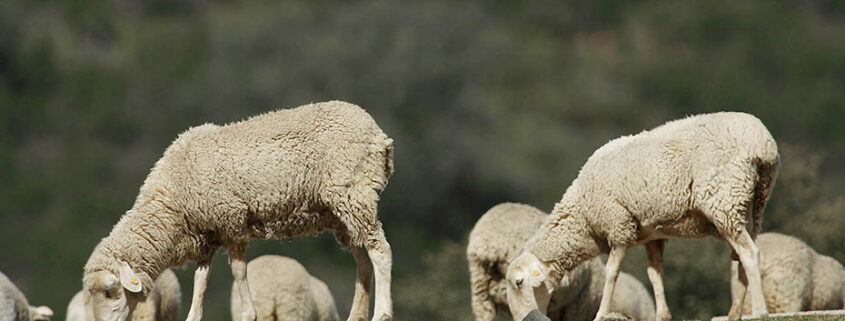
(528, 287)
(112, 296)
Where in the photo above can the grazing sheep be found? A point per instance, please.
(498, 237)
(795, 277)
(282, 174)
(705, 175)
(162, 304)
(282, 289)
(14, 307)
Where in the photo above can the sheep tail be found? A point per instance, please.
(767, 171)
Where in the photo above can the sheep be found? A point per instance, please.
(795, 277)
(162, 304)
(283, 174)
(497, 238)
(285, 290)
(705, 175)
(14, 306)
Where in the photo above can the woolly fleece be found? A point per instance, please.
(14, 306)
(282, 289)
(283, 174)
(498, 237)
(795, 277)
(162, 304)
(704, 175)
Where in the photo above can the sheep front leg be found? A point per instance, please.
(361, 300)
(200, 282)
(654, 250)
(237, 262)
(611, 271)
(382, 259)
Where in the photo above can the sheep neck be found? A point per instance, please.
(149, 237)
(563, 241)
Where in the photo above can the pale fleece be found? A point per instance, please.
(282, 289)
(690, 178)
(498, 237)
(15, 307)
(795, 277)
(164, 302)
(283, 174)
(704, 175)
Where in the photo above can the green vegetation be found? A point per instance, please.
(487, 102)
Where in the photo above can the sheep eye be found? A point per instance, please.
(519, 283)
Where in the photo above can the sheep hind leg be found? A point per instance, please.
(356, 211)
(614, 260)
(654, 250)
(237, 262)
(741, 283)
(382, 259)
(749, 258)
(361, 299)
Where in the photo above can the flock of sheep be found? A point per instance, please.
(321, 167)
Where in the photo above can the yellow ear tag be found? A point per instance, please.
(134, 281)
(535, 273)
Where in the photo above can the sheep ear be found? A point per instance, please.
(536, 278)
(129, 279)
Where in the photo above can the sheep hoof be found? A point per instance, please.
(613, 316)
(386, 317)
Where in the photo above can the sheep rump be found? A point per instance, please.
(282, 174)
(795, 277)
(282, 289)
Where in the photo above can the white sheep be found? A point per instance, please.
(282, 289)
(498, 237)
(163, 303)
(14, 306)
(705, 175)
(282, 174)
(795, 277)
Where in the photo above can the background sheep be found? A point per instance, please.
(14, 306)
(498, 237)
(287, 173)
(282, 289)
(705, 175)
(795, 277)
(162, 304)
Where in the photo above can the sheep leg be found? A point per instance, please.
(237, 262)
(361, 300)
(749, 258)
(611, 269)
(739, 295)
(382, 259)
(654, 250)
(482, 304)
(200, 282)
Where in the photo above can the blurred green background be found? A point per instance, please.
(487, 101)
